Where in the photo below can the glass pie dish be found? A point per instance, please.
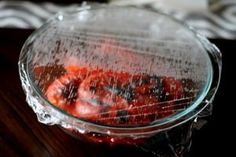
(120, 76)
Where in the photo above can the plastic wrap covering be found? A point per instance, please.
(121, 76)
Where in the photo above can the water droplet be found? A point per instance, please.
(112, 140)
(108, 132)
(60, 17)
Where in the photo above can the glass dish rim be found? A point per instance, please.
(168, 120)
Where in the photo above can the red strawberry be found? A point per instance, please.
(173, 88)
(174, 94)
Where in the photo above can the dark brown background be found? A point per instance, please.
(22, 135)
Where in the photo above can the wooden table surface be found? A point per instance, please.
(22, 135)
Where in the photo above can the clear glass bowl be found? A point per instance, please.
(128, 42)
